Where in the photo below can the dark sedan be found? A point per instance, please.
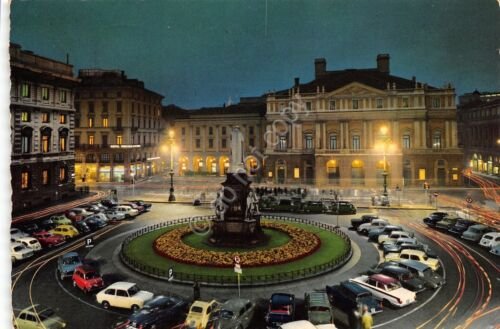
(355, 222)
(434, 217)
(374, 234)
(95, 223)
(446, 223)
(461, 226)
(160, 312)
(405, 277)
(147, 206)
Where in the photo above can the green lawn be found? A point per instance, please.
(332, 247)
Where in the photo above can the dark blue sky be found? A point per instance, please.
(201, 53)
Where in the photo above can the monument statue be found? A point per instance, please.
(237, 221)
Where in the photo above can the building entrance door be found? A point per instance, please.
(281, 174)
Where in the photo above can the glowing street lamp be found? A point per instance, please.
(386, 142)
(171, 197)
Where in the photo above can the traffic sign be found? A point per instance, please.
(89, 242)
(237, 269)
(469, 199)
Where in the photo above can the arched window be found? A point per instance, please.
(406, 140)
(63, 139)
(26, 138)
(63, 174)
(436, 140)
(308, 141)
(46, 133)
(333, 145)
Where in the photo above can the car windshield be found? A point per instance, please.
(91, 275)
(226, 314)
(33, 242)
(133, 290)
(18, 248)
(319, 309)
(393, 286)
(45, 314)
(71, 260)
(363, 296)
(196, 309)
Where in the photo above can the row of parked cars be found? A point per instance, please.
(31, 237)
(299, 205)
(485, 236)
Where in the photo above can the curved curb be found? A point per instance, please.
(276, 279)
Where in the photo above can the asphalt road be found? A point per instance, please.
(470, 299)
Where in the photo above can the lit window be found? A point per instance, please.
(296, 172)
(25, 180)
(25, 116)
(282, 143)
(45, 117)
(436, 140)
(63, 174)
(25, 90)
(62, 143)
(105, 122)
(421, 174)
(119, 139)
(355, 104)
(62, 118)
(455, 176)
(91, 122)
(62, 96)
(45, 93)
(45, 143)
(91, 139)
(45, 177)
(332, 105)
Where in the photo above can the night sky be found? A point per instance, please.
(206, 53)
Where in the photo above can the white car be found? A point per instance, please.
(393, 236)
(376, 223)
(123, 295)
(101, 216)
(30, 243)
(386, 288)
(127, 210)
(81, 212)
(490, 240)
(17, 233)
(304, 324)
(19, 252)
(114, 214)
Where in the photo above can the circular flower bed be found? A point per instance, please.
(302, 244)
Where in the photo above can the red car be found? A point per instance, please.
(87, 278)
(48, 239)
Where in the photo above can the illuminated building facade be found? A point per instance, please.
(117, 128)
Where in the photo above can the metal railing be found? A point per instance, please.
(232, 280)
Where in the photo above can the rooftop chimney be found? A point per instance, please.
(319, 67)
(297, 82)
(383, 63)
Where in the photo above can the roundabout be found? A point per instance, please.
(296, 248)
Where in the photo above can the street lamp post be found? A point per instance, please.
(383, 130)
(133, 184)
(171, 197)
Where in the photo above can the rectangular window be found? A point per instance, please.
(91, 140)
(333, 142)
(25, 90)
(104, 107)
(405, 102)
(332, 105)
(62, 118)
(223, 130)
(104, 139)
(62, 96)
(421, 174)
(197, 131)
(356, 142)
(119, 107)
(308, 106)
(454, 177)
(406, 142)
(436, 141)
(198, 143)
(25, 180)
(62, 143)
(282, 143)
(91, 122)
(251, 142)
(296, 172)
(250, 130)
(309, 142)
(45, 143)
(355, 104)
(223, 143)
(45, 117)
(91, 107)
(119, 139)
(436, 102)
(77, 141)
(210, 130)
(45, 177)
(25, 116)
(210, 143)
(63, 174)
(45, 93)
(105, 122)
(25, 144)
(118, 122)
(105, 157)
(380, 103)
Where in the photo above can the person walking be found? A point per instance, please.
(196, 291)
(366, 318)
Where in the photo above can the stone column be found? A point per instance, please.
(365, 135)
(341, 135)
(454, 134)
(324, 141)
(416, 130)
(299, 133)
(424, 134)
(317, 136)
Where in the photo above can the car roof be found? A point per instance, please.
(282, 298)
(493, 234)
(383, 278)
(413, 251)
(202, 304)
(317, 298)
(122, 285)
(301, 324)
(355, 288)
(86, 268)
(15, 244)
(70, 254)
(414, 264)
(395, 269)
(479, 227)
(235, 304)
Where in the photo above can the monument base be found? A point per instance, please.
(234, 232)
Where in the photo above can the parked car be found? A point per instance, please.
(68, 231)
(286, 205)
(342, 208)
(318, 308)
(114, 214)
(147, 206)
(434, 217)
(313, 207)
(77, 214)
(199, 314)
(417, 255)
(82, 227)
(38, 316)
(281, 310)
(405, 277)
(461, 226)
(446, 223)
(60, 219)
(95, 223)
(19, 252)
(124, 295)
(386, 289)
(475, 232)
(87, 278)
(232, 314)
(30, 243)
(267, 202)
(355, 222)
(29, 228)
(67, 263)
(99, 205)
(102, 216)
(393, 236)
(47, 224)
(17, 233)
(495, 250)
(374, 233)
(109, 203)
(346, 298)
(304, 324)
(407, 243)
(92, 208)
(159, 312)
(432, 279)
(140, 209)
(49, 240)
(127, 210)
(376, 223)
(490, 240)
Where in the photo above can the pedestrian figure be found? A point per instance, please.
(196, 291)
(366, 319)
